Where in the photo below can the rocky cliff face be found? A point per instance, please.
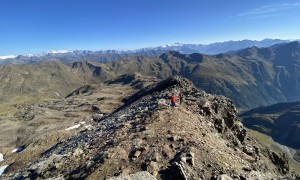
(202, 138)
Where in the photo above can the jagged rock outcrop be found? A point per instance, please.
(201, 139)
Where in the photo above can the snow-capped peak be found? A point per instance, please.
(58, 51)
(174, 44)
(7, 57)
(29, 55)
(177, 44)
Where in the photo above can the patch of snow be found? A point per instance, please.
(18, 149)
(177, 44)
(29, 55)
(1, 157)
(58, 51)
(57, 94)
(22, 81)
(15, 150)
(2, 169)
(75, 126)
(87, 126)
(7, 57)
(171, 45)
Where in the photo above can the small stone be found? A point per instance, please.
(155, 173)
(126, 171)
(166, 152)
(152, 167)
(59, 165)
(97, 117)
(224, 177)
(174, 138)
(247, 169)
(183, 159)
(155, 157)
(191, 161)
(78, 152)
(192, 154)
(95, 109)
(137, 142)
(137, 154)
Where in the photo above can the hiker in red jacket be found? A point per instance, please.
(173, 100)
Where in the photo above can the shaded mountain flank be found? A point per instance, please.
(145, 138)
(280, 121)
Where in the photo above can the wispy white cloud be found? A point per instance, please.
(269, 10)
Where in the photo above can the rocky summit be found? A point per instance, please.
(145, 138)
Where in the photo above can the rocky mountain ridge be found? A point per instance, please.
(202, 138)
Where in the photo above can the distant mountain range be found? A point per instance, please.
(218, 47)
(67, 56)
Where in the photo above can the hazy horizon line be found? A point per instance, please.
(65, 50)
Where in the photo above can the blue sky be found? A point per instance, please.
(33, 26)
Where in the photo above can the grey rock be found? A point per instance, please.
(224, 177)
(97, 117)
(135, 176)
(137, 154)
(153, 167)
